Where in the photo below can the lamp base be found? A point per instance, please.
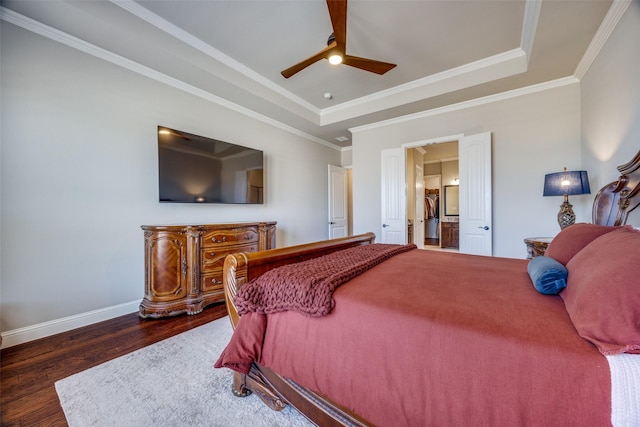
(566, 217)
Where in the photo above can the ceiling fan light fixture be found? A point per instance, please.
(335, 59)
(335, 52)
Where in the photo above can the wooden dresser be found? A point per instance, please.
(183, 263)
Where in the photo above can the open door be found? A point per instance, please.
(338, 206)
(475, 194)
(394, 198)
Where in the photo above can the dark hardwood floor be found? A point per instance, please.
(28, 371)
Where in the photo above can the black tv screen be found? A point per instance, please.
(196, 169)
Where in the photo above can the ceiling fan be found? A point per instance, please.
(335, 50)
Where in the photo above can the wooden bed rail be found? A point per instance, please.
(243, 267)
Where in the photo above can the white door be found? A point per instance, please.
(394, 198)
(338, 207)
(475, 194)
(418, 226)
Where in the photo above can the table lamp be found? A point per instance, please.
(563, 184)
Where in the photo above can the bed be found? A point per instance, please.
(374, 334)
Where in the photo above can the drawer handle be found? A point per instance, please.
(216, 282)
(224, 239)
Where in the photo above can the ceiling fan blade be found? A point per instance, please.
(371, 65)
(310, 60)
(338, 13)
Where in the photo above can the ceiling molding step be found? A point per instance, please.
(482, 71)
(529, 26)
(196, 43)
(98, 52)
(609, 23)
(565, 81)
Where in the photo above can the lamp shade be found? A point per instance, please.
(566, 183)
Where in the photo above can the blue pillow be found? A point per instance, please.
(548, 275)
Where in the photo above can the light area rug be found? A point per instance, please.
(170, 383)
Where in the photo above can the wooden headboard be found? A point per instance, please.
(616, 200)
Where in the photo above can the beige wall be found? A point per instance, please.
(79, 177)
(610, 104)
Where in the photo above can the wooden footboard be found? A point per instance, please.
(274, 390)
(243, 267)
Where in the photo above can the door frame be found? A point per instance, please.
(421, 143)
(431, 141)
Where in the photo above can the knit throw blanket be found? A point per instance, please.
(307, 287)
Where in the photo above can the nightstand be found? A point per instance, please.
(536, 246)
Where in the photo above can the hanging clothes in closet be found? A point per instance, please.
(431, 203)
(432, 212)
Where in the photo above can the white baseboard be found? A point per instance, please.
(52, 327)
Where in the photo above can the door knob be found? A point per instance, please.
(486, 227)
(385, 225)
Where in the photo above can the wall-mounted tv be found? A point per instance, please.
(196, 169)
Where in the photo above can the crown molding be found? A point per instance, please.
(178, 33)
(566, 81)
(529, 26)
(36, 27)
(484, 70)
(609, 23)
(450, 159)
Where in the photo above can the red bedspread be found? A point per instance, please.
(437, 339)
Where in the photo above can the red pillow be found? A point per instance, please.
(572, 239)
(602, 295)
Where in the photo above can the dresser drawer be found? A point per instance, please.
(214, 257)
(212, 281)
(231, 236)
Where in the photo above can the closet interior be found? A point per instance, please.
(432, 216)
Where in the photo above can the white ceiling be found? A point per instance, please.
(232, 51)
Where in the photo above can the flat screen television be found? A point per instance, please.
(196, 169)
